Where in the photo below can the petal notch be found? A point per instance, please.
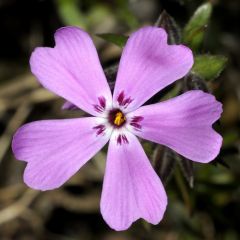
(184, 124)
(131, 188)
(148, 64)
(56, 149)
(72, 69)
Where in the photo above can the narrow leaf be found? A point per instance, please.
(194, 82)
(186, 167)
(164, 162)
(169, 24)
(117, 39)
(209, 67)
(70, 13)
(111, 74)
(193, 33)
(183, 190)
(220, 161)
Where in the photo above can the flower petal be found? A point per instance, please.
(72, 69)
(131, 188)
(56, 149)
(183, 123)
(148, 64)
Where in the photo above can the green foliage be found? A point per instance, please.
(193, 33)
(230, 137)
(70, 14)
(117, 39)
(124, 14)
(98, 15)
(209, 67)
(167, 22)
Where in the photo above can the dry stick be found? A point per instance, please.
(183, 190)
(16, 209)
(15, 122)
(84, 204)
(36, 96)
(9, 193)
(34, 219)
(18, 85)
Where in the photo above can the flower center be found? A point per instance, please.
(117, 118)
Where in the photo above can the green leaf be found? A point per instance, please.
(193, 33)
(186, 167)
(230, 137)
(209, 67)
(98, 15)
(117, 39)
(169, 24)
(125, 15)
(164, 160)
(194, 82)
(111, 75)
(70, 13)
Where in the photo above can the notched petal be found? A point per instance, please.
(72, 69)
(131, 188)
(148, 64)
(56, 149)
(184, 124)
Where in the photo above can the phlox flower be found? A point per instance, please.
(56, 149)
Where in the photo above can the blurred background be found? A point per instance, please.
(204, 200)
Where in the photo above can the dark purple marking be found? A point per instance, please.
(102, 102)
(125, 140)
(135, 122)
(122, 100)
(137, 119)
(100, 129)
(101, 106)
(122, 139)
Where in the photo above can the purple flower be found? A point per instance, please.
(56, 149)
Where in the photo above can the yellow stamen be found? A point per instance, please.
(119, 119)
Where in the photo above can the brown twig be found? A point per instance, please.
(16, 209)
(15, 122)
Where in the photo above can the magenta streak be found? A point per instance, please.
(136, 125)
(125, 140)
(122, 139)
(102, 104)
(100, 129)
(122, 100)
(135, 122)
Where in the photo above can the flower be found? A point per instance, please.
(56, 149)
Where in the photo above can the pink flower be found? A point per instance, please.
(56, 149)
